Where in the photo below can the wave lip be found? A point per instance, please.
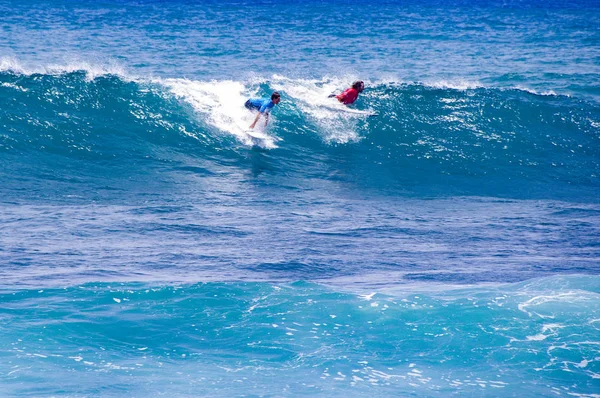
(91, 70)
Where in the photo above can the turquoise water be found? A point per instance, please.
(529, 339)
(446, 247)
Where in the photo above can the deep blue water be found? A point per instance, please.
(446, 247)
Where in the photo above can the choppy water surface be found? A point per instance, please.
(447, 246)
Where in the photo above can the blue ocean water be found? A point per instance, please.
(446, 247)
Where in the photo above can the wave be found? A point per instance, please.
(435, 137)
(302, 337)
(91, 70)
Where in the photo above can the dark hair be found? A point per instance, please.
(275, 95)
(358, 85)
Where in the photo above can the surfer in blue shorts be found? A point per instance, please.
(263, 106)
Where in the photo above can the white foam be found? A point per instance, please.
(568, 297)
(551, 327)
(457, 84)
(92, 70)
(537, 337)
(367, 297)
(222, 105)
(546, 93)
(311, 98)
(14, 86)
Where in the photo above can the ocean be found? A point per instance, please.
(447, 246)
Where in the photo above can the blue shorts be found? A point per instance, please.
(251, 106)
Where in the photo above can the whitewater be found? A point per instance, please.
(447, 246)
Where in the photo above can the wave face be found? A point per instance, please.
(529, 339)
(103, 130)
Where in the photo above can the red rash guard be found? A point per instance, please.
(348, 96)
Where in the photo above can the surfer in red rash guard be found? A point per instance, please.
(350, 95)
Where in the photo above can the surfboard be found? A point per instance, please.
(256, 134)
(345, 109)
(359, 112)
(260, 139)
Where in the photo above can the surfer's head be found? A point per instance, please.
(275, 97)
(358, 85)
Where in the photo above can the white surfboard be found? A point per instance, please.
(343, 108)
(260, 139)
(256, 134)
(359, 112)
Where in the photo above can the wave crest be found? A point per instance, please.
(472, 138)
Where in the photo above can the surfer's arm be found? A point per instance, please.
(255, 120)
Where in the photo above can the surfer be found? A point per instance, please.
(350, 95)
(263, 106)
